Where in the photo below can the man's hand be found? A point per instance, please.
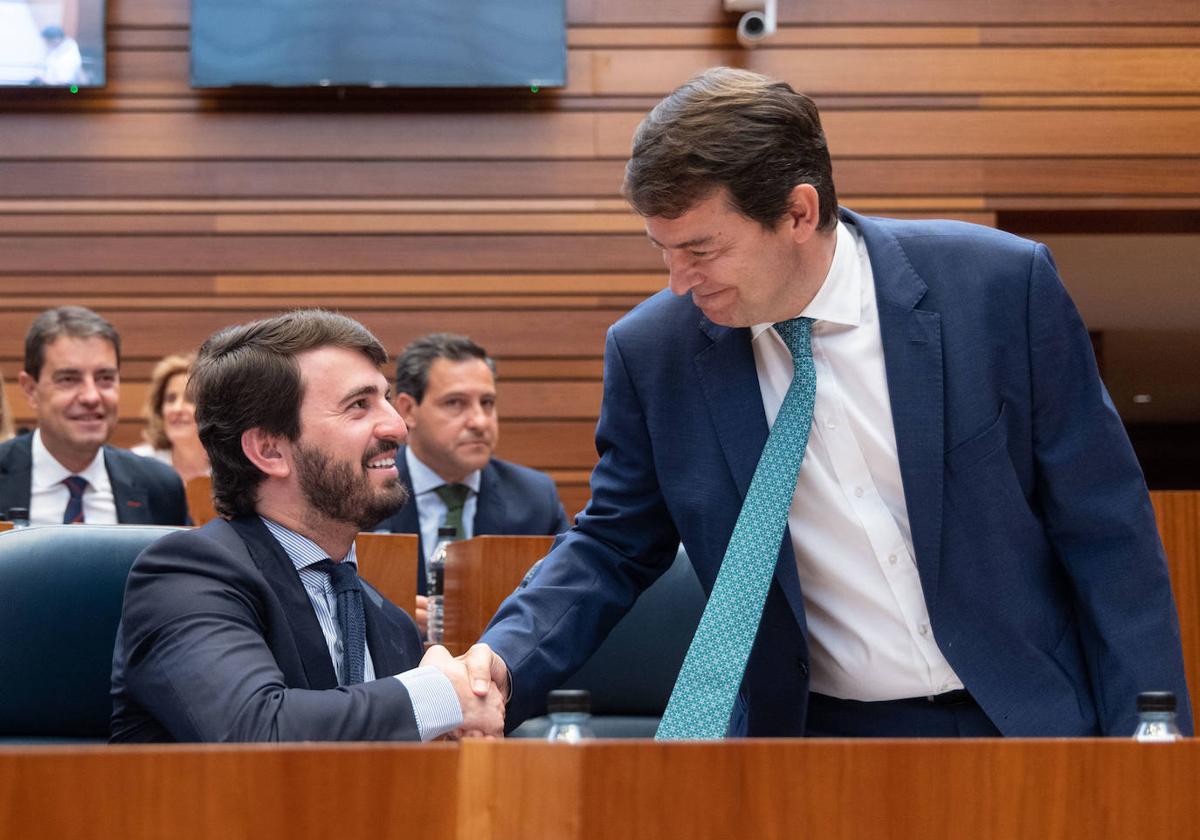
(471, 675)
(421, 615)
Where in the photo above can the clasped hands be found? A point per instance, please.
(480, 679)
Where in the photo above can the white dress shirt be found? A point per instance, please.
(431, 510)
(435, 705)
(869, 630)
(48, 496)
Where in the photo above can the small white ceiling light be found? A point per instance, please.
(757, 22)
(1142, 399)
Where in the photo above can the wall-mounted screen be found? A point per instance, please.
(52, 44)
(379, 43)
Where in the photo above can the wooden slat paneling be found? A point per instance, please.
(530, 333)
(679, 13)
(325, 179)
(498, 213)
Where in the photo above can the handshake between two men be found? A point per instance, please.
(480, 681)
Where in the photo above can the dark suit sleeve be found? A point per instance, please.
(1098, 515)
(622, 542)
(170, 502)
(195, 633)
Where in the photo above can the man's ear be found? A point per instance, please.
(406, 407)
(804, 212)
(267, 452)
(29, 387)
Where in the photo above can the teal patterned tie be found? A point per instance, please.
(708, 682)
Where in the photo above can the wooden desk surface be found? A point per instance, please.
(1092, 789)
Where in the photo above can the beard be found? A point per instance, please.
(342, 492)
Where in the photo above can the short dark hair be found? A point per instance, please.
(74, 321)
(412, 365)
(732, 129)
(247, 377)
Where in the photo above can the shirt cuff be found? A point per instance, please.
(435, 704)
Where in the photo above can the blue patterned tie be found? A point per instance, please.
(74, 511)
(712, 671)
(351, 621)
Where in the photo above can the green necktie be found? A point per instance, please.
(708, 681)
(454, 496)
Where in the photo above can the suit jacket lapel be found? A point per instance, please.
(281, 575)
(489, 504)
(729, 380)
(386, 655)
(131, 499)
(16, 473)
(912, 350)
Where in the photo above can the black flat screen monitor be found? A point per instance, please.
(56, 45)
(379, 43)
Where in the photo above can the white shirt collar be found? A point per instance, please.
(839, 300)
(47, 472)
(425, 480)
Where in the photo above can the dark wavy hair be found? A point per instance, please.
(413, 364)
(732, 129)
(73, 321)
(247, 377)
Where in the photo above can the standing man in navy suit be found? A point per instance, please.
(65, 471)
(446, 393)
(969, 549)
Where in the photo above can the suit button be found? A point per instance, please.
(803, 666)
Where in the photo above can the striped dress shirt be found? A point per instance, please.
(435, 704)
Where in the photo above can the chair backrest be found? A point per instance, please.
(630, 676)
(62, 588)
(200, 500)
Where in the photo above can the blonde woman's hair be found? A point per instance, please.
(155, 432)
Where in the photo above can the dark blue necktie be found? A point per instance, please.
(74, 511)
(351, 621)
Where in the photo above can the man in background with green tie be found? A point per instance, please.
(446, 393)
(878, 442)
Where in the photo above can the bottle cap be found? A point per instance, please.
(1156, 701)
(566, 700)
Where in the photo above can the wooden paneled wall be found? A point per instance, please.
(176, 211)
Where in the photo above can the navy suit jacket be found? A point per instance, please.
(512, 500)
(1033, 532)
(219, 642)
(147, 492)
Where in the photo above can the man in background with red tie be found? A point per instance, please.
(65, 472)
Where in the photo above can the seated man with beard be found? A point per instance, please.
(256, 627)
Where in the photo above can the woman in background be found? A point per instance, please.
(6, 421)
(171, 420)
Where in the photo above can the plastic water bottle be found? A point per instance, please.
(1156, 717)
(570, 716)
(435, 583)
(19, 517)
